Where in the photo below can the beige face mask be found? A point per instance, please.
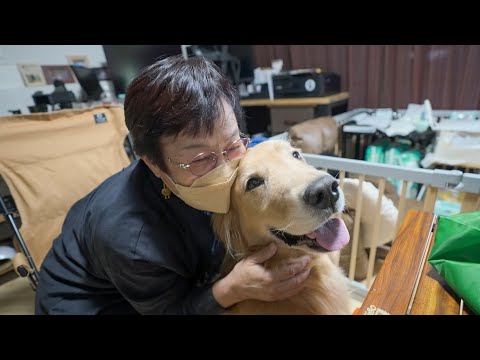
(211, 192)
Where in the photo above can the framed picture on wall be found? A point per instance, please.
(32, 75)
(60, 72)
(78, 60)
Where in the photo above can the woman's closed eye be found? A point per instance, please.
(201, 158)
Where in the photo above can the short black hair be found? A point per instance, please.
(176, 95)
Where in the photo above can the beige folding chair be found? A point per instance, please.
(49, 161)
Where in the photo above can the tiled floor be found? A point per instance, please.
(354, 304)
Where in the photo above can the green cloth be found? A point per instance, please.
(456, 255)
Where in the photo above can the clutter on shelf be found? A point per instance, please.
(417, 117)
(386, 151)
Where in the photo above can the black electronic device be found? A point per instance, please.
(125, 62)
(305, 83)
(88, 80)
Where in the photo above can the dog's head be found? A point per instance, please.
(278, 196)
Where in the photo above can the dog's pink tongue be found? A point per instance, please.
(332, 236)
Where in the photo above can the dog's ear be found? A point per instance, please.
(227, 228)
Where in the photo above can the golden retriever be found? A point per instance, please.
(278, 197)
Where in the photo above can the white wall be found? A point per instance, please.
(13, 93)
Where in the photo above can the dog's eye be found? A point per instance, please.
(254, 183)
(297, 155)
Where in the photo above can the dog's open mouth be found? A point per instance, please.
(331, 236)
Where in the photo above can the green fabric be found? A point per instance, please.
(456, 255)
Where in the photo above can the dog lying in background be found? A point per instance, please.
(315, 136)
(278, 197)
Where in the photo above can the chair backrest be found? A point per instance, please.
(51, 160)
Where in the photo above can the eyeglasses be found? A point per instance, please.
(207, 161)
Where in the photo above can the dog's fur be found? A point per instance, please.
(279, 204)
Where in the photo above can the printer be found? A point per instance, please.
(305, 83)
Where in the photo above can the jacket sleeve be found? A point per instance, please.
(153, 289)
(154, 274)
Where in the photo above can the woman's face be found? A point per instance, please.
(184, 148)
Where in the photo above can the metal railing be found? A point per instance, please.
(433, 180)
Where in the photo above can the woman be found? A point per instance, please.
(142, 241)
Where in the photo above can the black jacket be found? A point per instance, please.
(124, 248)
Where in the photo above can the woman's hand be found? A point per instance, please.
(249, 279)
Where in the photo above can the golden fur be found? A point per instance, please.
(278, 204)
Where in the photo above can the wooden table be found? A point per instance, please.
(396, 290)
(290, 102)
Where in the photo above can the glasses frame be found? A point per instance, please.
(187, 166)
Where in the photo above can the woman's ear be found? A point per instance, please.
(152, 166)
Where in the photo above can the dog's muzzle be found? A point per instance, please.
(331, 236)
(323, 193)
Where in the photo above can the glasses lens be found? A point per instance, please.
(237, 149)
(203, 163)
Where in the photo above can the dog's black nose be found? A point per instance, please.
(322, 193)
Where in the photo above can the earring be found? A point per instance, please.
(166, 192)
